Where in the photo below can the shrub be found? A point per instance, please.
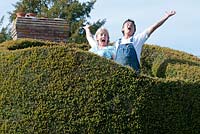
(168, 63)
(63, 89)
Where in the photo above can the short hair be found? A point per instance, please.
(102, 29)
(129, 20)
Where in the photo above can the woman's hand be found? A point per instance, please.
(86, 27)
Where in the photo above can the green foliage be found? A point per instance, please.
(4, 32)
(58, 88)
(73, 11)
(27, 43)
(167, 63)
(79, 35)
(183, 71)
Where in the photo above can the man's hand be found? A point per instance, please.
(170, 13)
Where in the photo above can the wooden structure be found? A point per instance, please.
(51, 29)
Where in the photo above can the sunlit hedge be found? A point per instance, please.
(167, 63)
(28, 43)
(64, 89)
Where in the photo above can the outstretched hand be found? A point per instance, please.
(153, 27)
(170, 13)
(86, 26)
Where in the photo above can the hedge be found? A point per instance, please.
(168, 63)
(63, 89)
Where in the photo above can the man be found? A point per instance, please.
(129, 47)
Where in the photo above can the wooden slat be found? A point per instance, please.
(41, 28)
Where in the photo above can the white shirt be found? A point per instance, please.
(137, 41)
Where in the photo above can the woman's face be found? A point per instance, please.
(102, 38)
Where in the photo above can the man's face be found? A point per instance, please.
(128, 28)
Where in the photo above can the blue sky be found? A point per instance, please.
(180, 32)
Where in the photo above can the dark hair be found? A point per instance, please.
(129, 20)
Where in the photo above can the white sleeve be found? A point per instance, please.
(92, 41)
(141, 38)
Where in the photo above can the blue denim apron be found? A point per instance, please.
(126, 55)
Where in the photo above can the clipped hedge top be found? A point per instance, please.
(65, 89)
(27, 43)
(156, 61)
(168, 63)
